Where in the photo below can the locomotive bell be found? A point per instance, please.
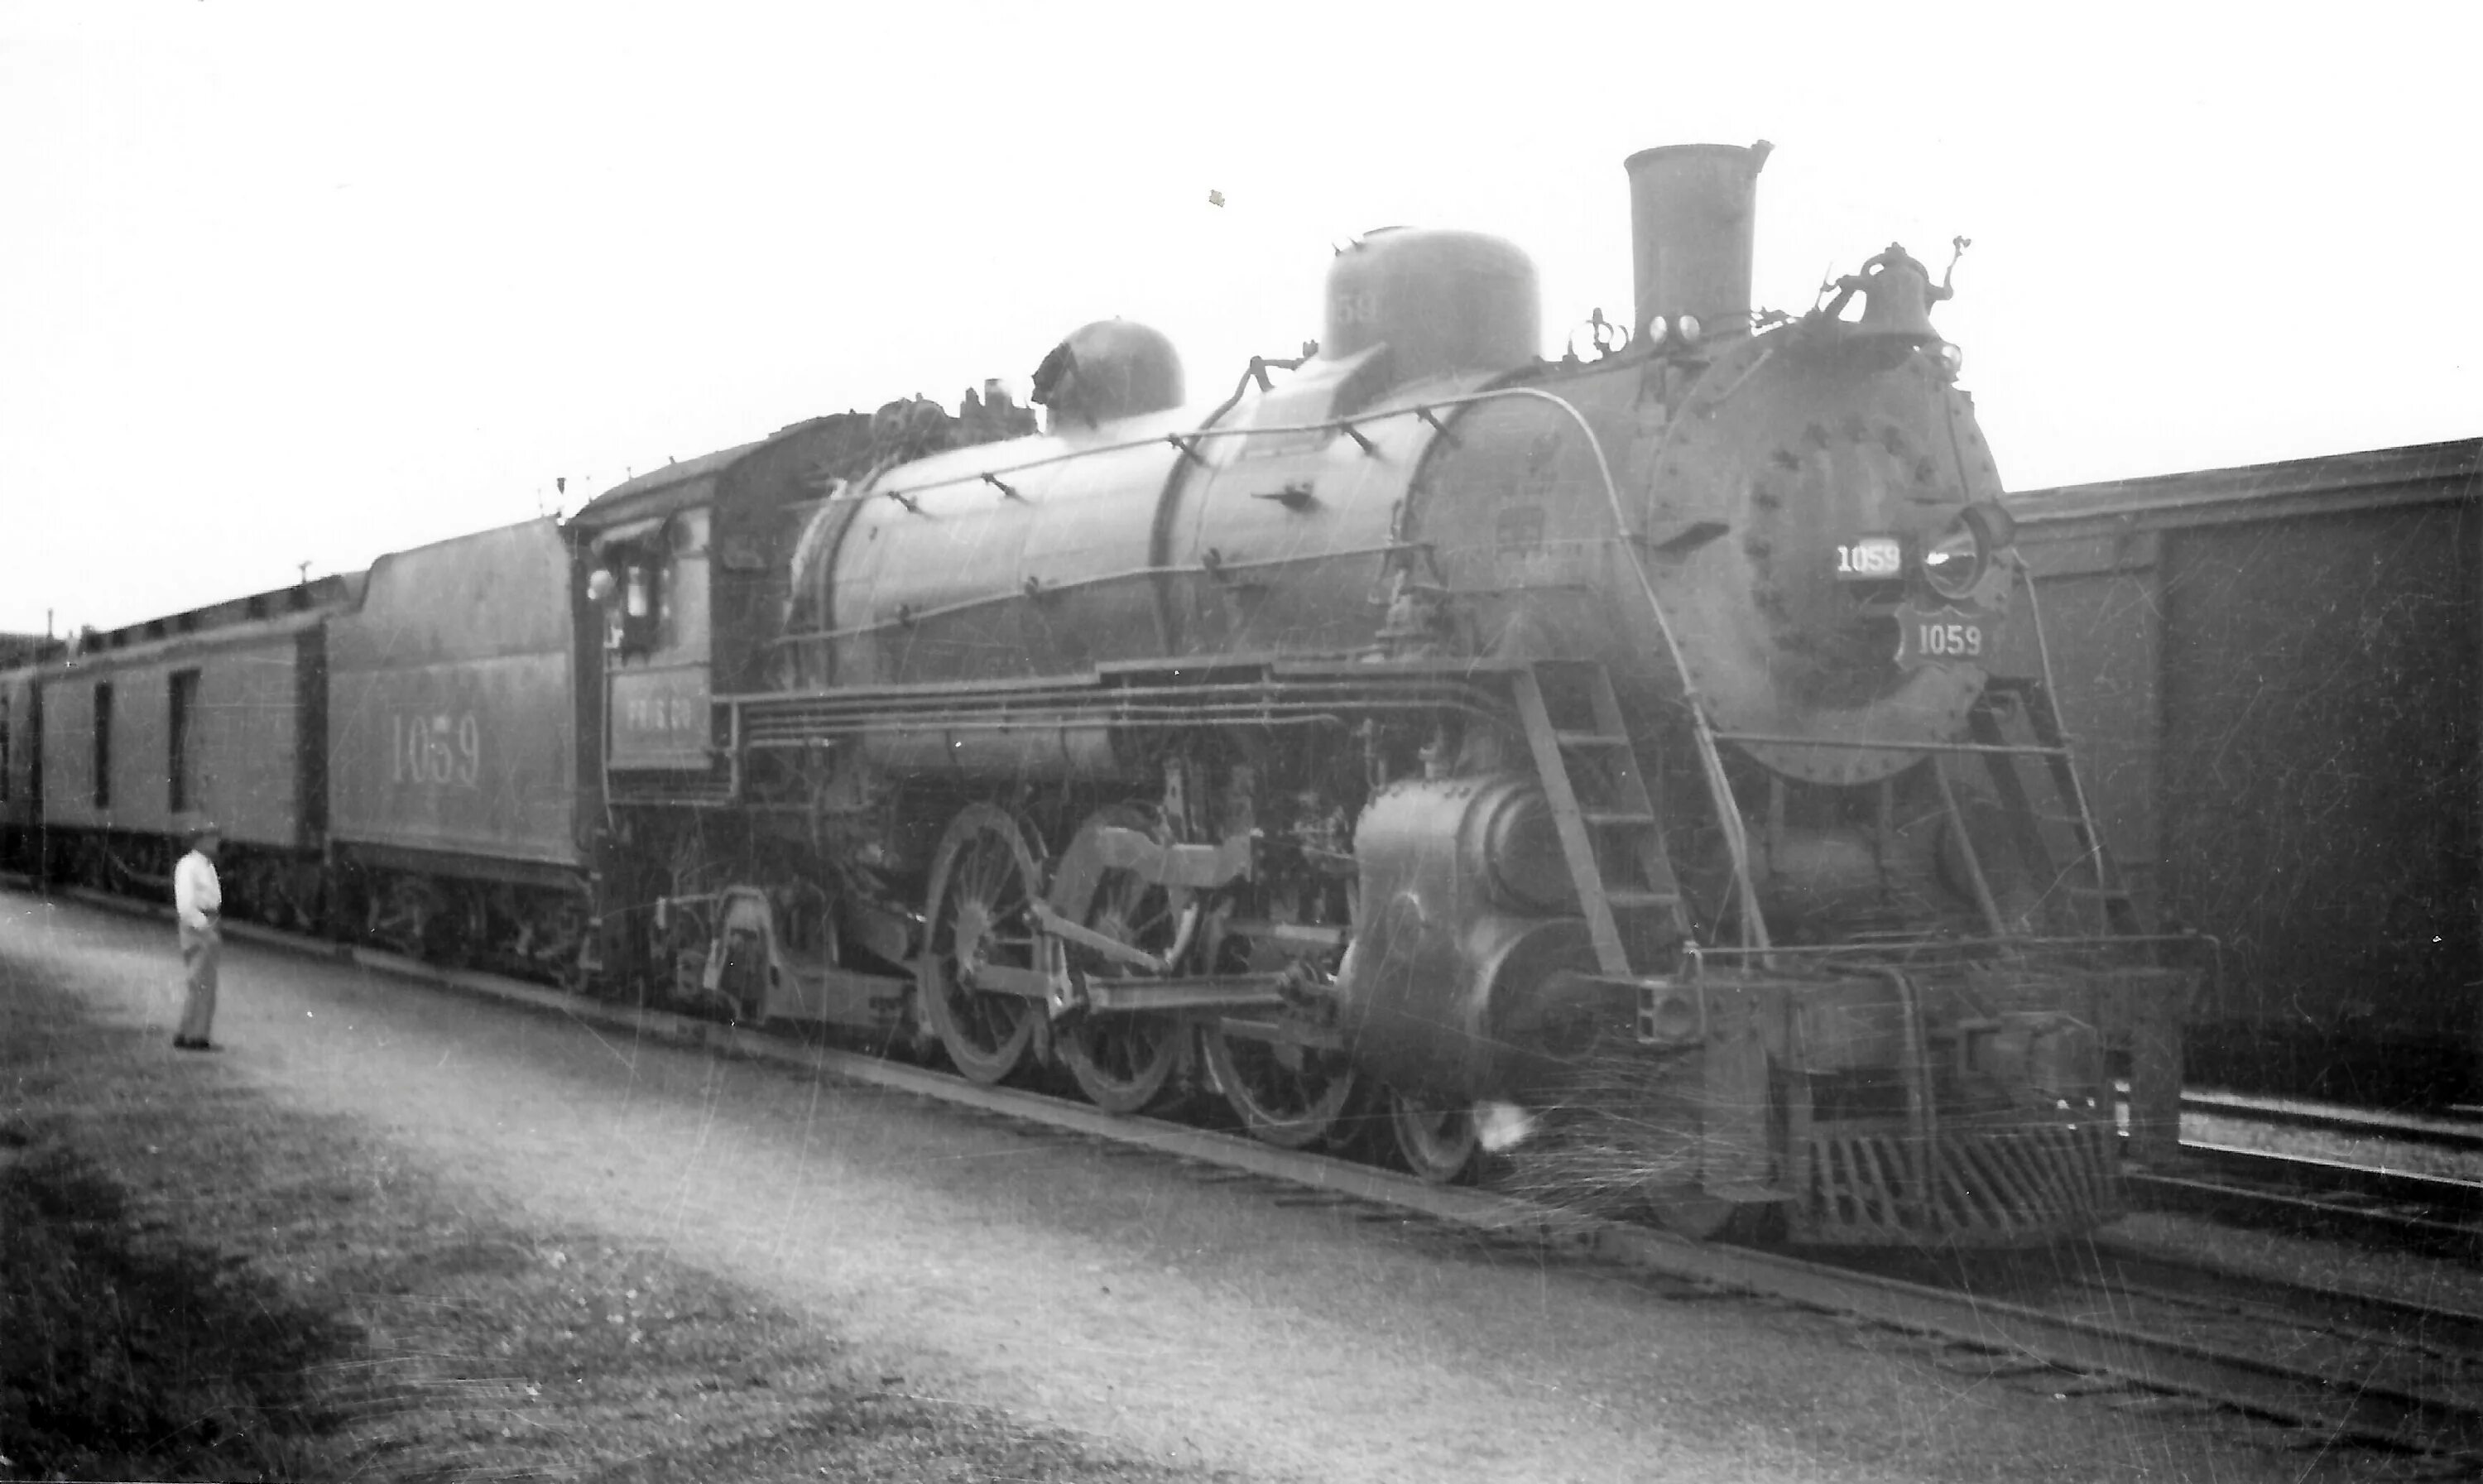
(1898, 297)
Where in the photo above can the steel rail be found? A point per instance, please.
(2373, 1315)
(2431, 1130)
(2424, 1213)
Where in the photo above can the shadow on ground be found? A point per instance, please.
(139, 1357)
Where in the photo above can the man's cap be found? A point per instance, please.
(201, 831)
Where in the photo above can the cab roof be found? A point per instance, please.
(676, 485)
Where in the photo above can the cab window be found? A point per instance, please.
(638, 612)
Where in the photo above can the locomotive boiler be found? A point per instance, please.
(1602, 757)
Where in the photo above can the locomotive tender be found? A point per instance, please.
(1534, 749)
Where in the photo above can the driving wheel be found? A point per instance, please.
(1286, 1093)
(1122, 1061)
(983, 884)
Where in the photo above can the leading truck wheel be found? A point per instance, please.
(1441, 1144)
(980, 912)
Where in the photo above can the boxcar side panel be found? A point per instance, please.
(246, 741)
(140, 743)
(239, 746)
(451, 701)
(2105, 623)
(67, 762)
(18, 750)
(2321, 782)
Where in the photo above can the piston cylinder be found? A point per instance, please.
(1465, 935)
(1691, 209)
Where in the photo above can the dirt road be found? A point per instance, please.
(634, 1232)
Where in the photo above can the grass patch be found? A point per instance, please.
(129, 1358)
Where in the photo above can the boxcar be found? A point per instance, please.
(214, 714)
(2277, 676)
(463, 771)
(21, 800)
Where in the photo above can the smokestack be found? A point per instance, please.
(1690, 232)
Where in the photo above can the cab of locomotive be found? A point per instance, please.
(646, 583)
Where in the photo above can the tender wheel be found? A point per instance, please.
(1441, 1145)
(983, 884)
(1286, 1094)
(460, 935)
(1121, 1062)
(420, 921)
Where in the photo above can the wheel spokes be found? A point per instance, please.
(1439, 1143)
(1122, 1061)
(1287, 1095)
(982, 881)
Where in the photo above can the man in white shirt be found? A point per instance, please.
(199, 900)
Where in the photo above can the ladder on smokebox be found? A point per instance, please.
(1635, 912)
(1608, 825)
(2117, 912)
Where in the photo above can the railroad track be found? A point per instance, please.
(2083, 1319)
(2406, 1210)
(2454, 1132)
(2423, 1213)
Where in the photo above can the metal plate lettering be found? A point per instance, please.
(660, 718)
(1947, 635)
(1870, 559)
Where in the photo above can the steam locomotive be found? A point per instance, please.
(1604, 759)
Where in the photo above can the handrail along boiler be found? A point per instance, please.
(1613, 757)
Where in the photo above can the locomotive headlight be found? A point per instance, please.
(1657, 328)
(1690, 330)
(1954, 563)
(1952, 359)
(1956, 560)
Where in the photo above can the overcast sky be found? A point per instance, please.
(311, 283)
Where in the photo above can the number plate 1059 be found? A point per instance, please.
(1942, 636)
(1872, 557)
